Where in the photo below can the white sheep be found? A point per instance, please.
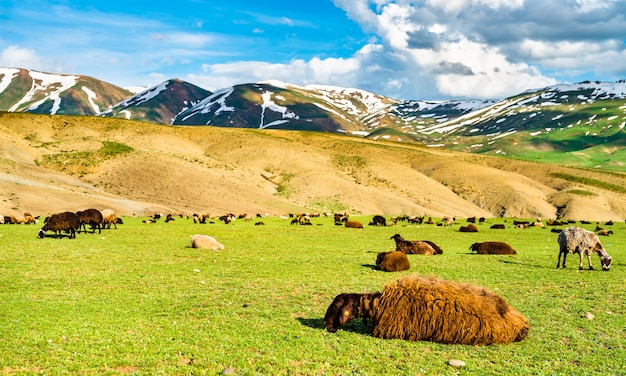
(584, 242)
(205, 242)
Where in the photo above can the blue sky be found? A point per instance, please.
(426, 49)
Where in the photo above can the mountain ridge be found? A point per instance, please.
(579, 124)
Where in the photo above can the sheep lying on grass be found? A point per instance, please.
(205, 242)
(416, 247)
(353, 224)
(584, 242)
(492, 248)
(429, 309)
(392, 261)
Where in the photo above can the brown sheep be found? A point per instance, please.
(416, 247)
(353, 224)
(429, 309)
(109, 218)
(492, 248)
(469, 228)
(392, 261)
(584, 242)
(498, 226)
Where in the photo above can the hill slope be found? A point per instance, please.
(24, 90)
(53, 163)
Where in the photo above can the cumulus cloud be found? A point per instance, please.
(433, 49)
(17, 57)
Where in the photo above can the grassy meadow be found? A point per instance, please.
(139, 300)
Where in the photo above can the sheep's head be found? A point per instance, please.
(397, 237)
(344, 308)
(380, 257)
(606, 262)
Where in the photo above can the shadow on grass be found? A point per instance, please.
(522, 264)
(354, 326)
(53, 236)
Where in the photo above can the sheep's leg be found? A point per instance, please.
(559, 260)
(580, 263)
(588, 259)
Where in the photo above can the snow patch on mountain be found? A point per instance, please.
(52, 84)
(268, 104)
(90, 97)
(8, 75)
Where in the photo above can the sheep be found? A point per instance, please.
(584, 242)
(492, 248)
(91, 217)
(604, 232)
(392, 261)
(378, 220)
(498, 226)
(469, 228)
(417, 247)
(109, 218)
(66, 221)
(353, 224)
(448, 221)
(429, 309)
(205, 242)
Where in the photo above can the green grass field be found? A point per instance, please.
(138, 300)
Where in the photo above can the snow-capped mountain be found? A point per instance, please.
(279, 105)
(160, 103)
(24, 90)
(587, 116)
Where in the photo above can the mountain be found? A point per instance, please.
(581, 124)
(159, 104)
(576, 124)
(57, 163)
(24, 90)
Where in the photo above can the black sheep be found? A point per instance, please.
(91, 217)
(66, 221)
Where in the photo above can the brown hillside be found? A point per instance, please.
(57, 163)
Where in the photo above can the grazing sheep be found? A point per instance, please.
(415, 247)
(353, 224)
(378, 220)
(28, 219)
(66, 221)
(91, 217)
(584, 242)
(469, 228)
(109, 218)
(205, 242)
(448, 221)
(392, 261)
(429, 309)
(492, 248)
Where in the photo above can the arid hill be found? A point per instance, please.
(58, 163)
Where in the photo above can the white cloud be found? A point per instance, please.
(491, 48)
(16, 57)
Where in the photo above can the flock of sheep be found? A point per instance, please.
(427, 308)
(412, 307)
(69, 222)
